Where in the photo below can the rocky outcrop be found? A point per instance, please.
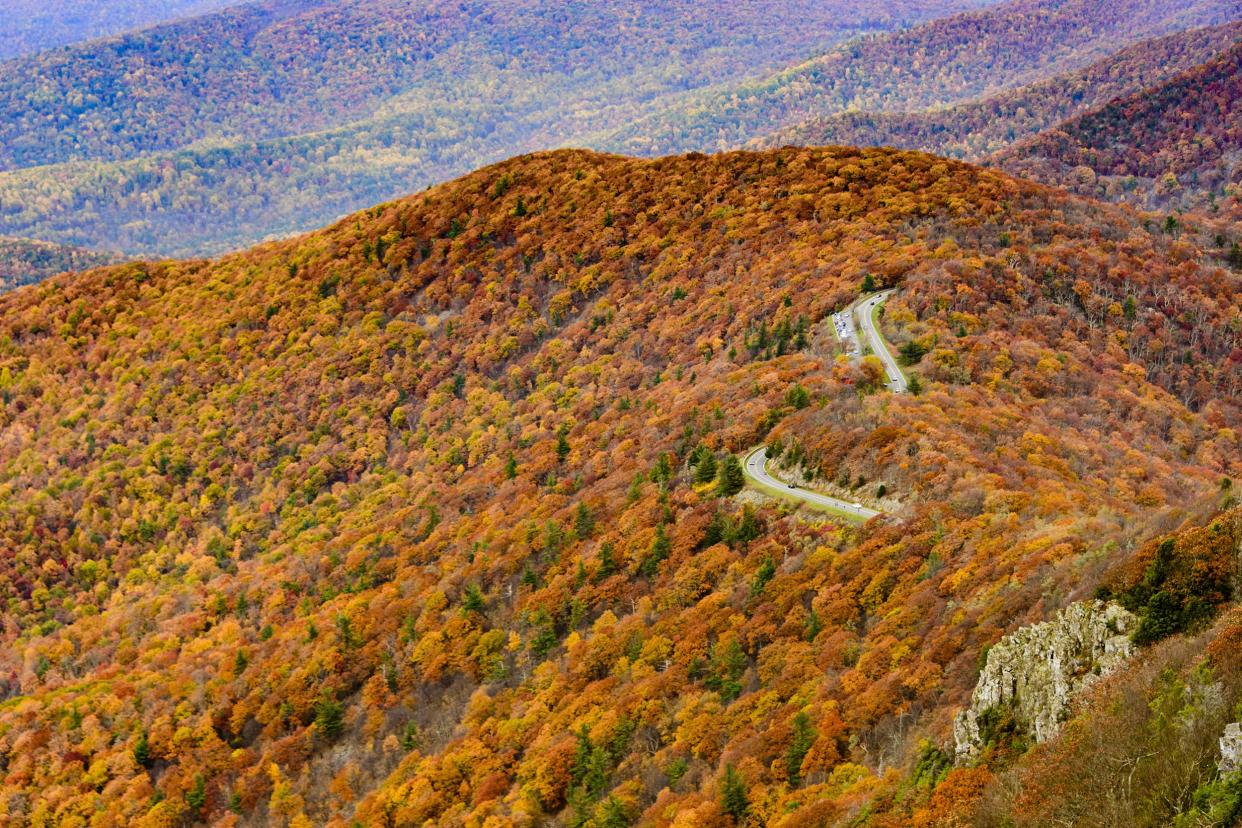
(1032, 674)
(1231, 749)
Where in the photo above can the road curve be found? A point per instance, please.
(756, 468)
(896, 379)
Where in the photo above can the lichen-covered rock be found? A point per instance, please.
(1231, 748)
(1033, 673)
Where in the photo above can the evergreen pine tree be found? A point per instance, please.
(607, 562)
(660, 548)
(730, 480)
(582, 755)
(800, 339)
(472, 600)
(748, 527)
(813, 626)
(595, 780)
(797, 397)
(663, 470)
(612, 814)
(584, 522)
(765, 573)
(799, 745)
(705, 471)
(329, 717)
(733, 795)
(196, 797)
(636, 488)
(142, 750)
(410, 737)
(718, 529)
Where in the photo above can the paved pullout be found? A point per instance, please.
(843, 324)
(864, 310)
(756, 469)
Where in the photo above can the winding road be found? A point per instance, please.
(865, 312)
(755, 466)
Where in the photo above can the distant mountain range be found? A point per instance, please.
(272, 118)
(278, 116)
(30, 26)
(942, 63)
(1177, 145)
(975, 130)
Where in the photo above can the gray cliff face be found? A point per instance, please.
(1231, 748)
(1035, 672)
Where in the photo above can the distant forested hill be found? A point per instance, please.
(29, 26)
(974, 130)
(23, 261)
(1177, 145)
(945, 62)
(273, 118)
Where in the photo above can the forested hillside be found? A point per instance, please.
(278, 116)
(975, 130)
(1177, 145)
(23, 261)
(30, 26)
(957, 59)
(404, 522)
(1148, 736)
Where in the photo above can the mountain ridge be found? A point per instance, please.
(28, 27)
(254, 182)
(977, 129)
(1135, 149)
(975, 54)
(394, 520)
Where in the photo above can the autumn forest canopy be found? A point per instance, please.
(401, 521)
(453, 512)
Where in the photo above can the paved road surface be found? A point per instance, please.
(756, 464)
(896, 380)
(756, 468)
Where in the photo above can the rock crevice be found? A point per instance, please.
(1231, 748)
